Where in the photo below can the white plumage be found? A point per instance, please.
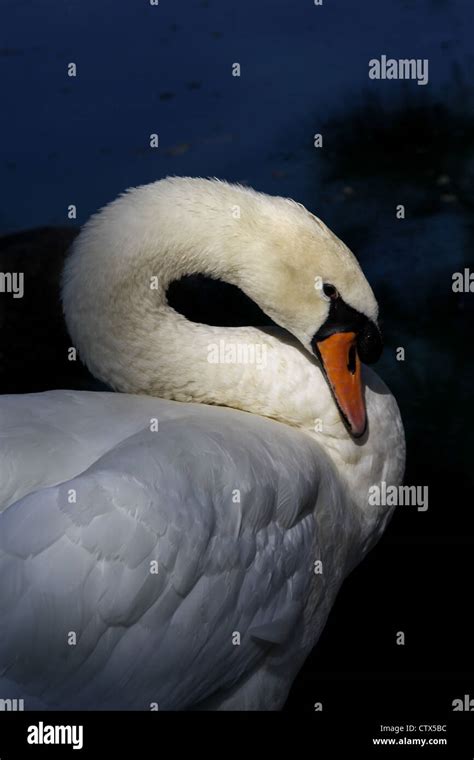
(234, 508)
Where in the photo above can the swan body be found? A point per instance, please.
(178, 541)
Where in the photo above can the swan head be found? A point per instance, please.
(309, 282)
(277, 252)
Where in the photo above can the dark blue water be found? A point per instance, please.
(167, 69)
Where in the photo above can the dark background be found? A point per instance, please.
(304, 70)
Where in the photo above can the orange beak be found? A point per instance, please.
(341, 364)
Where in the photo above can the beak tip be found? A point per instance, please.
(357, 431)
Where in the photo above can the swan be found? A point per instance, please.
(179, 545)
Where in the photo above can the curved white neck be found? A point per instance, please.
(132, 339)
(114, 293)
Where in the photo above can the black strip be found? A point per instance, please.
(343, 318)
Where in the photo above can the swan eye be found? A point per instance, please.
(330, 292)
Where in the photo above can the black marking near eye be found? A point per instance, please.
(330, 291)
(343, 318)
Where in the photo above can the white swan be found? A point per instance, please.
(180, 554)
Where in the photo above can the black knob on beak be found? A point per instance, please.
(369, 343)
